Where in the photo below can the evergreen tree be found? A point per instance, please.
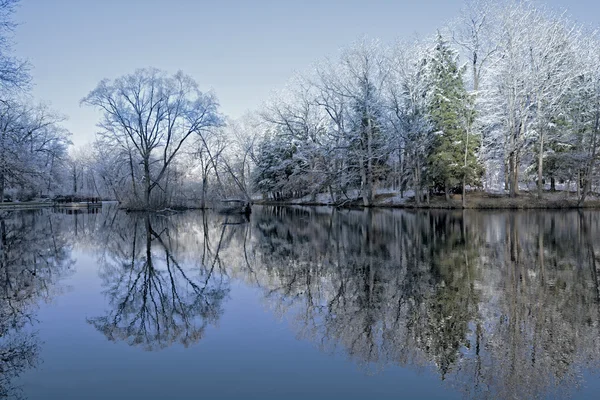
(274, 166)
(452, 159)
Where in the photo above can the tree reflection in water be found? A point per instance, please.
(155, 300)
(501, 304)
(34, 254)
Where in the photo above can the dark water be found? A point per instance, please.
(300, 303)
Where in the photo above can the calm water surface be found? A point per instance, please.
(300, 303)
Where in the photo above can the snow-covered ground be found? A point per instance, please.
(386, 196)
(393, 197)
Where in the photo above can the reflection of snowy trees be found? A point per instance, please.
(34, 254)
(155, 300)
(501, 304)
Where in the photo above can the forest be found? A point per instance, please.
(503, 99)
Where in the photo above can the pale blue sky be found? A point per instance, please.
(241, 49)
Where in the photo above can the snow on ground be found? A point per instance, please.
(386, 196)
(320, 198)
(391, 197)
(395, 199)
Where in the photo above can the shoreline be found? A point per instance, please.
(522, 202)
(482, 202)
(34, 205)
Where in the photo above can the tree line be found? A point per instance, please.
(33, 144)
(505, 97)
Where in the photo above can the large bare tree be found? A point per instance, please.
(153, 114)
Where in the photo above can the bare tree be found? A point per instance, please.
(153, 114)
(14, 72)
(407, 111)
(32, 148)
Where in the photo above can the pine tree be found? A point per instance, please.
(274, 165)
(452, 159)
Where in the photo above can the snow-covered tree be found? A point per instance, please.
(151, 115)
(407, 104)
(33, 150)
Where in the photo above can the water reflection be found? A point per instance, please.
(502, 305)
(496, 304)
(34, 255)
(155, 300)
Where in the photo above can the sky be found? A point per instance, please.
(243, 50)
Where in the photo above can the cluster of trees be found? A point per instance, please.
(33, 144)
(148, 117)
(507, 94)
(163, 142)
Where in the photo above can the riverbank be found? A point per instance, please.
(34, 205)
(26, 205)
(475, 200)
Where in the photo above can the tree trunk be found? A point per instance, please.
(148, 184)
(464, 172)
(578, 187)
(464, 192)
(331, 194)
(203, 198)
(2, 177)
(2, 185)
(540, 166)
(134, 186)
(514, 158)
(74, 179)
(364, 191)
(50, 173)
(475, 74)
(514, 174)
(369, 182)
(506, 174)
(417, 186)
(401, 177)
(447, 191)
(590, 167)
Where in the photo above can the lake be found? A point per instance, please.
(299, 303)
